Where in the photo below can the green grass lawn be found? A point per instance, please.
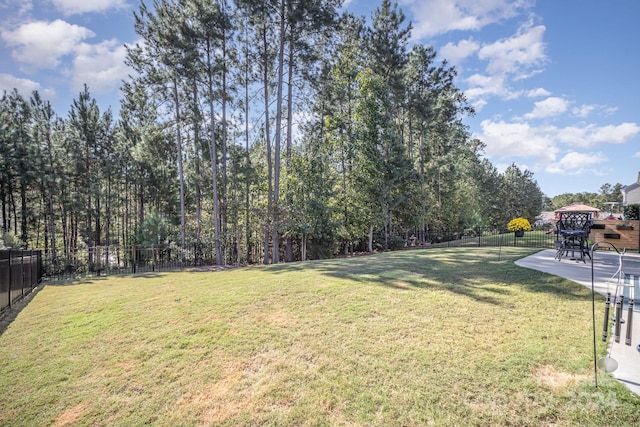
(423, 337)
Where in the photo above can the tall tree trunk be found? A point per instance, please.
(248, 157)
(52, 227)
(288, 255)
(225, 153)
(3, 200)
(265, 81)
(141, 199)
(108, 212)
(213, 152)
(23, 212)
(45, 218)
(196, 147)
(278, 136)
(386, 228)
(304, 246)
(89, 224)
(183, 224)
(98, 223)
(14, 208)
(423, 202)
(127, 205)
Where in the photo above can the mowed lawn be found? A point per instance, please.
(424, 337)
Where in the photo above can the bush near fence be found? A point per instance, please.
(20, 272)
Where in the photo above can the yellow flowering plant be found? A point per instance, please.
(517, 224)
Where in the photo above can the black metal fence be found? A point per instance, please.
(485, 237)
(20, 272)
(110, 260)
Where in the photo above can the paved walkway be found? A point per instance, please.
(605, 267)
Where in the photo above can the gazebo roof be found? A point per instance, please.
(577, 207)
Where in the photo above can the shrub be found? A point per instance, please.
(632, 212)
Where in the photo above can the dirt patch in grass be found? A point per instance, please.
(126, 365)
(218, 401)
(70, 415)
(556, 380)
(280, 318)
(400, 284)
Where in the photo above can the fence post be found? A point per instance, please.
(31, 264)
(22, 271)
(10, 280)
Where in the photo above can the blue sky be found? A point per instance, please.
(554, 83)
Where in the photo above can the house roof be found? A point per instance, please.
(629, 188)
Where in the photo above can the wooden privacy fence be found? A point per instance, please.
(620, 233)
(20, 272)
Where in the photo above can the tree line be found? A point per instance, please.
(271, 130)
(609, 199)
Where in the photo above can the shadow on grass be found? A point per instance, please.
(9, 314)
(91, 280)
(482, 274)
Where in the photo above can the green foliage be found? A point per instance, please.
(8, 241)
(382, 154)
(632, 212)
(608, 193)
(521, 192)
(154, 230)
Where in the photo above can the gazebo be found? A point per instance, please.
(578, 207)
(576, 215)
(573, 225)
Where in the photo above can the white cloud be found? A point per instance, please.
(455, 53)
(518, 54)
(73, 7)
(586, 110)
(479, 104)
(574, 163)
(100, 66)
(551, 106)
(583, 110)
(432, 17)
(509, 59)
(536, 93)
(637, 155)
(24, 86)
(591, 134)
(544, 143)
(481, 86)
(17, 7)
(42, 44)
(517, 140)
(60, 45)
